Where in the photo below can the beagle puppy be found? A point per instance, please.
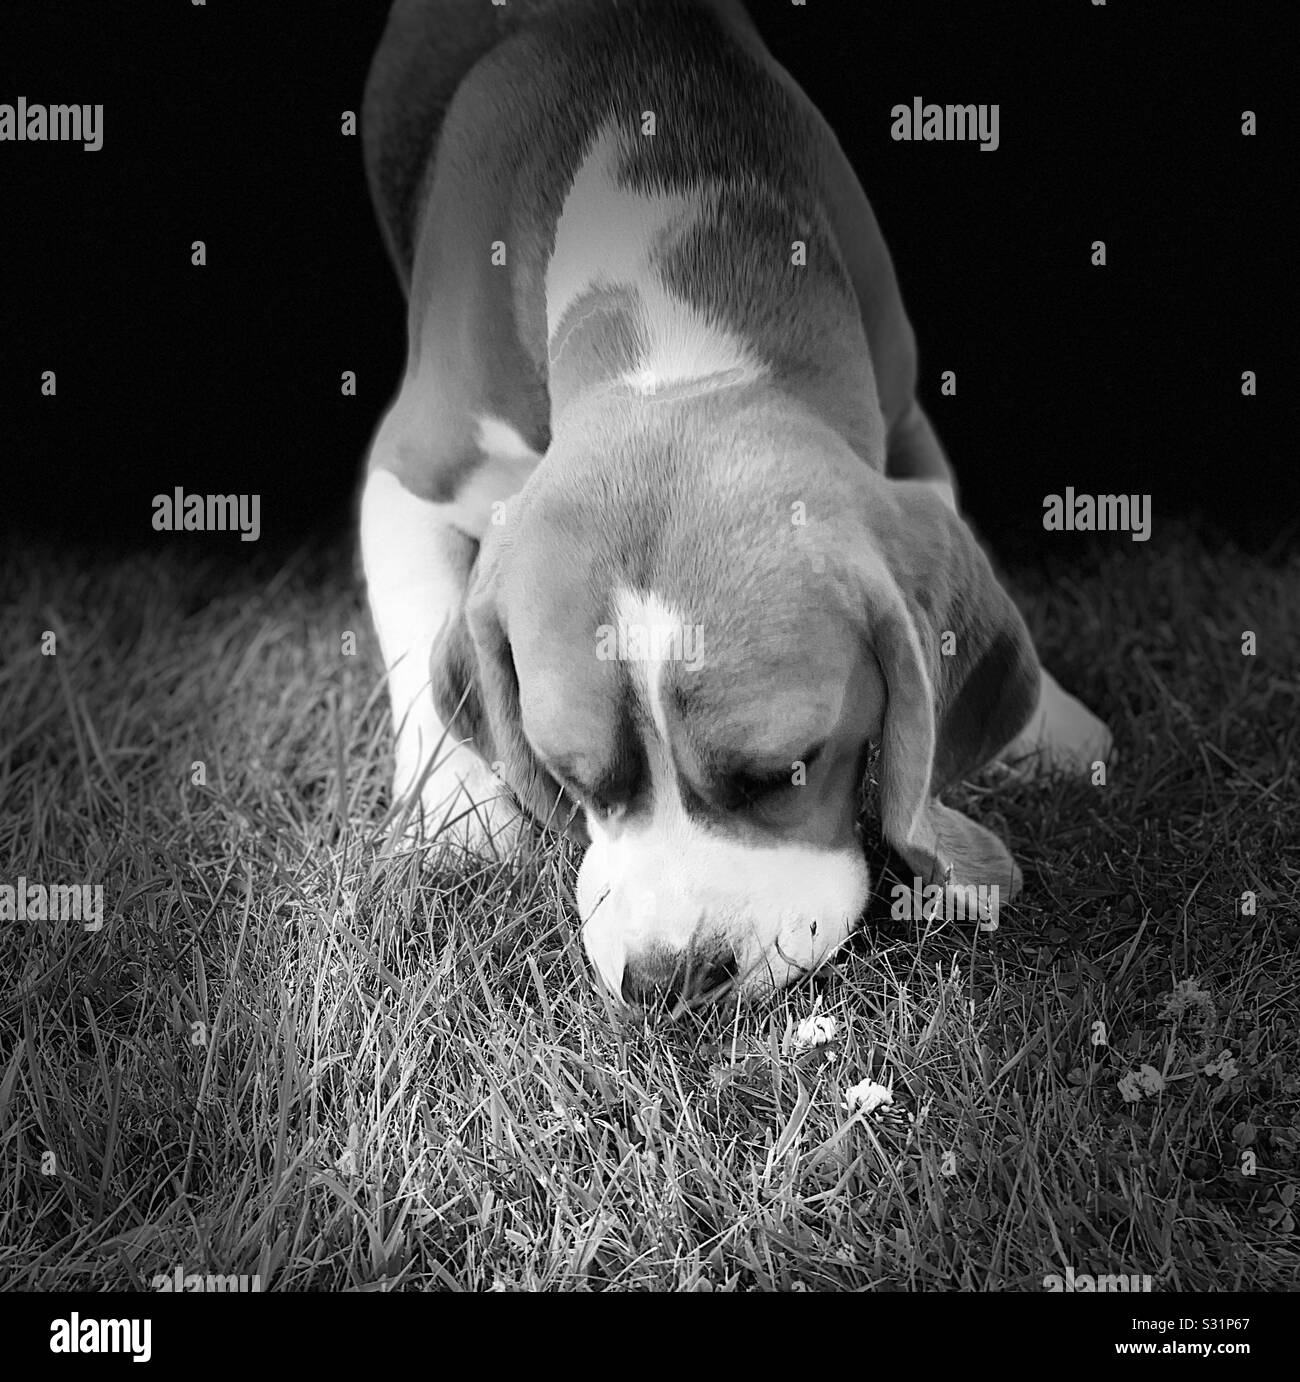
(659, 543)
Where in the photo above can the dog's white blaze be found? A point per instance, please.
(664, 629)
(605, 237)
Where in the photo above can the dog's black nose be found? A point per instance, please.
(658, 974)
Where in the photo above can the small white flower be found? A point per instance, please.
(574, 1123)
(867, 1097)
(346, 1164)
(1147, 1080)
(1224, 1065)
(816, 1030)
(1151, 1080)
(1187, 997)
(1128, 1088)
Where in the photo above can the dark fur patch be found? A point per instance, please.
(993, 701)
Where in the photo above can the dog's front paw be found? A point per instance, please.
(1063, 736)
(461, 804)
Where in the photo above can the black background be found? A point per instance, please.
(222, 123)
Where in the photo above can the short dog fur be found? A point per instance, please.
(661, 391)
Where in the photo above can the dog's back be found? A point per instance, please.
(479, 117)
(430, 46)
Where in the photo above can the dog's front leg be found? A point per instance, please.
(417, 567)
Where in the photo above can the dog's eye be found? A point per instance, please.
(755, 789)
(774, 780)
(764, 788)
(765, 785)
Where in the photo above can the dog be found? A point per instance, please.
(659, 544)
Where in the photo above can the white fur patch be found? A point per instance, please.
(507, 463)
(412, 592)
(416, 571)
(505, 443)
(605, 238)
(683, 348)
(605, 233)
(945, 492)
(1062, 734)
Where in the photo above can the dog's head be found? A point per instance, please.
(692, 624)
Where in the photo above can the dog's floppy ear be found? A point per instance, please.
(960, 673)
(477, 694)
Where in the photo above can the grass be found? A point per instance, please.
(288, 1054)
